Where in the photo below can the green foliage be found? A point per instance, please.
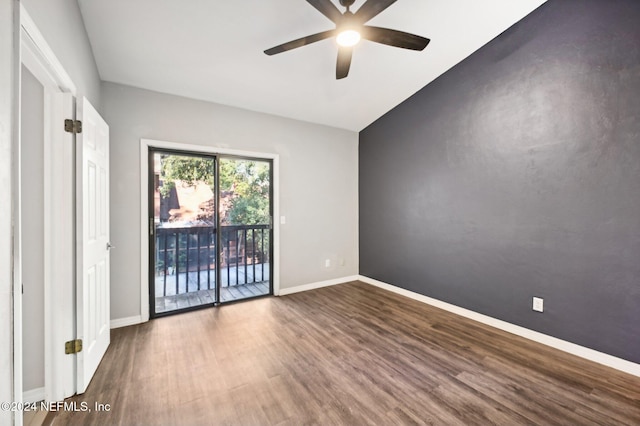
(251, 186)
(247, 182)
(227, 175)
(187, 169)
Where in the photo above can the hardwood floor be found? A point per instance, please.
(349, 354)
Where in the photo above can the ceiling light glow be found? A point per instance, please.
(348, 38)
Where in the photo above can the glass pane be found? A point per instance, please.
(185, 224)
(245, 222)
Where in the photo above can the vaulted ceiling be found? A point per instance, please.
(212, 50)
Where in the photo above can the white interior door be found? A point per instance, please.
(92, 198)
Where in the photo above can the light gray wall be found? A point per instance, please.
(318, 182)
(7, 76)
(32, 151)
(60, 22)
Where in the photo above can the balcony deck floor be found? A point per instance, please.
(185, 290)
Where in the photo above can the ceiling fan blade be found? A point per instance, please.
(327, 8)
(344, 62)
(394, 38)
(300, 42)
(371, 8)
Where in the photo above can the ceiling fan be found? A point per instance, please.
(350, 29)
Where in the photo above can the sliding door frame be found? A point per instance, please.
(271, 213)
(152, 237)
(146, 145)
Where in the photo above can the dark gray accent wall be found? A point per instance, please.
(517, 174)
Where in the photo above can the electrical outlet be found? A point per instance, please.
(327, 263)
(341, 261)
(538, 304)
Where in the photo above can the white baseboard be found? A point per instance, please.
(313, 286)
(33, 395)
(124, 322)
(563, 345)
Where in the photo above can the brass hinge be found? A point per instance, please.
(73, 346)
(72, 126)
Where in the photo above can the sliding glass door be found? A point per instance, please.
(245, 228)
(210, 233)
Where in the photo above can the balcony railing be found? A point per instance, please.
(185, 258)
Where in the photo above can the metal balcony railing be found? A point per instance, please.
(185, 257)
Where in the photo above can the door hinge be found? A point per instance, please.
(72, 126)
(73, 346)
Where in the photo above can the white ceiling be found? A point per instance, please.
(213, 50)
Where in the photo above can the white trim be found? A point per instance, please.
(39, 58)
(275, 220)
(320, 284)
(145, 144)
(11, 129)
(563, 345)
(37, 48)
(125, 322)
(144, 241)
(33, 395)
(58, 244)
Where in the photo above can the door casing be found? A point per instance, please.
(38, 57)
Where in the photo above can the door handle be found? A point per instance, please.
(110, 246)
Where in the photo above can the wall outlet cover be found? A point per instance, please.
(538, 304)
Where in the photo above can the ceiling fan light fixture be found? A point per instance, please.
(350, 28)
(348, 38)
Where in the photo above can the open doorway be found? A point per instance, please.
(210, 233)
(44, 241)
(61, 266)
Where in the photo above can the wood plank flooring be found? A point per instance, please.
(348, 354)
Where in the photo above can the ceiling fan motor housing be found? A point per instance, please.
(348, 22)
(347, 3)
